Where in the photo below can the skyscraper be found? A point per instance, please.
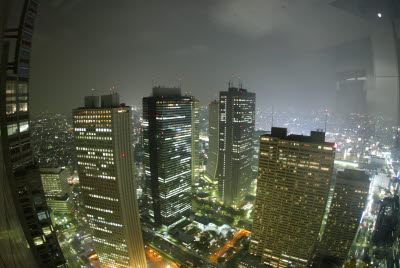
(294, 176)
(167, 141)
(195, 139)
(105, 163)
(56, 189)
(236, 134)
(348, 203)
(26, 224)
(213, 140)
(55, 181)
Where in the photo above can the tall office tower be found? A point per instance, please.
(55, 181)
(236, 138)
(56, 189)
(195, 139)
(213, 140)
(25, 224)
(105, 165)
(348, 203)
(294, 176)
(167, 141)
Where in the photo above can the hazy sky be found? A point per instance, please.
(277, 47)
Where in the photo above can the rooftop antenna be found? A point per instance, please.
(112, 90)
(180, 82)
(92, 90)
(230, 83)
(326, 118)
(240, 83)
(272, 116)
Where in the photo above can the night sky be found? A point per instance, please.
(280, 49)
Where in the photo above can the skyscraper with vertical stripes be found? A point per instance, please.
(105, 163)
(195, 139)
(167, 155)
(236, 138)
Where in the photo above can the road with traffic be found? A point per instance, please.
(175, 252)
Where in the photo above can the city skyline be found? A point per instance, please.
(248, 134)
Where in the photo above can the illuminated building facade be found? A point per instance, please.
(294, 176)
(256, 151)
(27, 236)
(167, 141)
(56, 189)
(55, 181)
(213, 140)
(348, 203)
(195, 139)
(236, 138)
(105, 165)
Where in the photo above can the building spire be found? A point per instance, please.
(326, 119)
(230, 82)
(272, 116)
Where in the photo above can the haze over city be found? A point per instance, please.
(175, 134)
(282, 50)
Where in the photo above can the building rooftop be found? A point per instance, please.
(101, 102)
(281, 133)
(353, 174)
(237, 90)
(167, 91)
(51, 170)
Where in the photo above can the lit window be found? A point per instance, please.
(46, 230)
(12, 129)
(11, 108)
(22, 88)
(23, 107)
(10, 87)
(23, 126)
(38, 241)
(42, 215)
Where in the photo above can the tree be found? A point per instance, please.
(230, 235)
(227, 219)
(221, 260)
